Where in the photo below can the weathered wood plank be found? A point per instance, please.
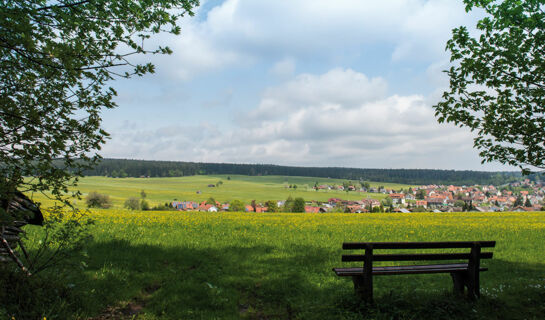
(10, 237)
(419, 245)
(414, 256)
(393, 270)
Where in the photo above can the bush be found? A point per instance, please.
(97, 200)
(132, 204)
(163, 207)
(55, 257)
(419, 209)
(65, 235)
(144, 205)
(31, 297)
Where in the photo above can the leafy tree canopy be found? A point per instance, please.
(298, 205)
(272, 206)
(57, 60)
(288, 205)
(237, 206)
(497, 86)
(459, 203)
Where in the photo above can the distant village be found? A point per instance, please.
(521, 196)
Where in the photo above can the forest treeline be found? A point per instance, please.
(147, 168)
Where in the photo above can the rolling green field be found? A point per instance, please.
(245, 188)
(180, 265)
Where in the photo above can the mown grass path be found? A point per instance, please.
(175, 265)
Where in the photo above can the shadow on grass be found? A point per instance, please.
(264, 282)
(256, 281)
(509, 290)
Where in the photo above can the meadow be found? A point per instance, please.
(196, 265)
(239, 187)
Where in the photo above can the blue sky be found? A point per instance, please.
(308, 83)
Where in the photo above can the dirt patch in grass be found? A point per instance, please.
(131, 309)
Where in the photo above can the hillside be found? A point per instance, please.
(196, 188)
(138, 168)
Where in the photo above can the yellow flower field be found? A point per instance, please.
(277, 266)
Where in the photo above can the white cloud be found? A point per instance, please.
(327, 115)
(339, 118)
(241, 32)
(330, 91)
(194, 53)
(283, 68)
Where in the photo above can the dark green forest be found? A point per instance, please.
(146, 168)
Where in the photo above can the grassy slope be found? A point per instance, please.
(278, 266)
(245, 188)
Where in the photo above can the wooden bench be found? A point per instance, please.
(464, 267)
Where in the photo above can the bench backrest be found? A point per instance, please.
(475, 253)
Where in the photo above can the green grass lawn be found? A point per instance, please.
(176, 265)
(245, 188)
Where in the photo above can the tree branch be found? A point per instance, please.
(66, 5)
(12, 254)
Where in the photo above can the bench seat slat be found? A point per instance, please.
(394, 270)
(418, 245)
(415, 256)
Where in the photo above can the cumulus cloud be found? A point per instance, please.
(341, 117)
(369, 72)
(333, 90)
(242, 32)
(284, 67)
(194, 54)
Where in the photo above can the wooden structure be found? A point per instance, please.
(464, 267)
(23, 211)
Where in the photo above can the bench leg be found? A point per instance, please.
(363, 290)
(473, 290)
(473, 273)
(466, 279)
(459, 280)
